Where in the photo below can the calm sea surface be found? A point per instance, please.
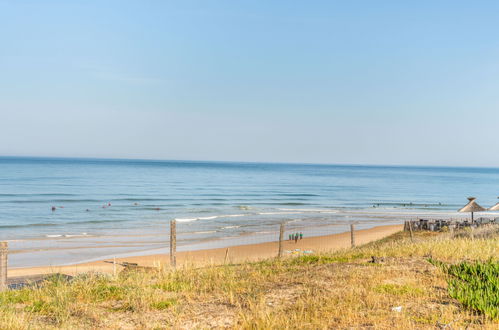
(105, 208)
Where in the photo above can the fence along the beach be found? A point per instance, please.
(173, 247)
(173, 243)
(4, 251)
(352, 235)
(410, 231)
(281, 237)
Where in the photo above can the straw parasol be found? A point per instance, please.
(472, 207)
(495, 207)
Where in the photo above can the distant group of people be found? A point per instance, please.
(105, 206)
(295, 237)
(408, 204)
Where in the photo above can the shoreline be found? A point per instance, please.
(215, 256)
(94, 245)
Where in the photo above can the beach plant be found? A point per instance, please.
(474, 284)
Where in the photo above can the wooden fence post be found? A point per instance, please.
(281, 237)
(352, 235)
(4, 252)
(173, 243)
(410, 231)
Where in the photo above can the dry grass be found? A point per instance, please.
(338, 290)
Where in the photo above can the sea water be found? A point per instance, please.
(59, 211)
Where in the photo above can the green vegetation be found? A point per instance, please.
(344, 289)
(397, 290)
(475, 285)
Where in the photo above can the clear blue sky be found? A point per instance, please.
(369, 82)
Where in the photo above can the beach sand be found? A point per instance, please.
(236, 254)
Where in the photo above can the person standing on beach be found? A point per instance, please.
(290, 237)
(301, 235)
(296, 237)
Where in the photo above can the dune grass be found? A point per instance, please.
(335, 290)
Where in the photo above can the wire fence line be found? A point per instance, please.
(281, 238)
(4, 252)
(280, 251)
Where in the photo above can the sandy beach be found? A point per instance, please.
(238, 253)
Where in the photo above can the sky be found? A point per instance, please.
(347, 82)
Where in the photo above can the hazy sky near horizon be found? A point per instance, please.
(366, 82)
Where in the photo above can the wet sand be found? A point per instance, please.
(235, 254)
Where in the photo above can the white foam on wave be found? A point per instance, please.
(311, 210)
(277, 213)
(77, 235)
(194, 219)
(210, 217)
(66, 235)
(205, 232)
(230, 227)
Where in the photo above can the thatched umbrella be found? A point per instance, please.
(472, 207)
(495, 207)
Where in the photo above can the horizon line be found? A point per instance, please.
(240, 162)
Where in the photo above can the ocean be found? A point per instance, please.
(62, 211)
